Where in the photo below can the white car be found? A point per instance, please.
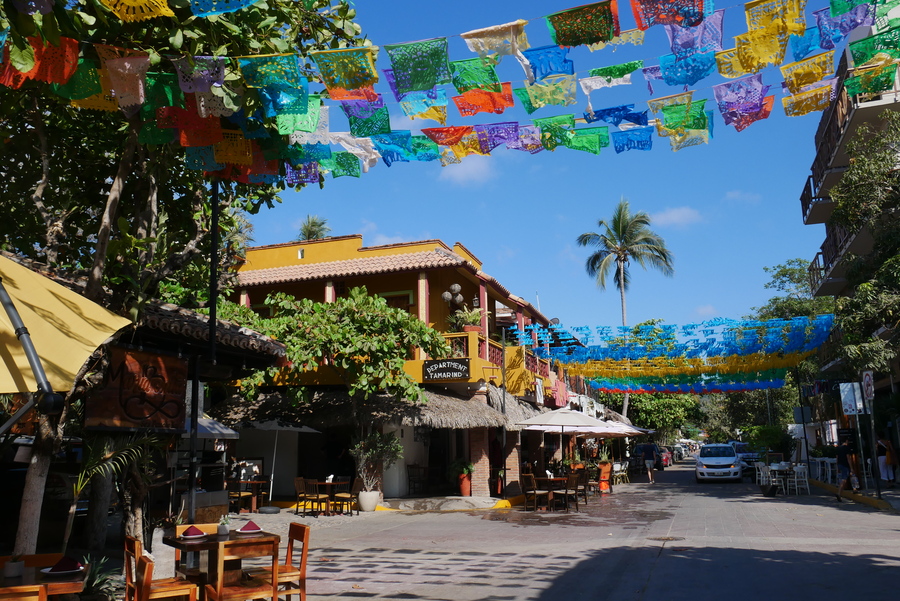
(717, 462)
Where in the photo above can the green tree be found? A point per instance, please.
(313, 228)
(796, 298)
(80, 188)
(626, 237)
(358, 337)
(866, 198)
(665, 413)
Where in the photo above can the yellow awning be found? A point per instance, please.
(65, 327)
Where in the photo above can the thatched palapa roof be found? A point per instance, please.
(333, 407)
(514, 409)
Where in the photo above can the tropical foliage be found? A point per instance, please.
(626, 237)
(84, 184)
(358, 337)
(313, 228)
(867, 197)
(375, 453)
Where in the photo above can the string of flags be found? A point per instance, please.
(721, 355)
(197, 102)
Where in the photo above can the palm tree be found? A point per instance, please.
(624, 238)
(313, 228)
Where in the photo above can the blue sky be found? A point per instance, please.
(726, 209)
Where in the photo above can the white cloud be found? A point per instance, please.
(381, 239)
(705, 311)
(372, 237)
(677, 217)
(472, 171)
(744, 197)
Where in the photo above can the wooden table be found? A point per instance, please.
(254, 492)
(208, 547)
(329, 490)
(66, 584)
(550, 484)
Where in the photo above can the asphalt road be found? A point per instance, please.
(670, 541)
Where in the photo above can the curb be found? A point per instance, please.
(858, 498)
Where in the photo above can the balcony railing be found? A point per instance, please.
(486, 349)
(816, 272)
(808, 198)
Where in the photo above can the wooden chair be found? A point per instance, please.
(569, 492)
(29, 592)
(292, 576)
(350, 497)
(529, 487)
(254, 588)
(146, 588)
(300, 489)
(314, 498)
(583, 485)
(342, 488)
(237, 496)
(181, 568)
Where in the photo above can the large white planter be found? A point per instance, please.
(368, 500)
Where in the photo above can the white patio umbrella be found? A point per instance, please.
(278, 426)
(564, 421)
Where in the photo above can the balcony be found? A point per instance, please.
(837, 127)
(827, 270)
(816, 209)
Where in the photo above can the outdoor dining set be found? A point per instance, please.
(783, 477)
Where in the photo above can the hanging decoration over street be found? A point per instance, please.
(198, 102)
(721, 355)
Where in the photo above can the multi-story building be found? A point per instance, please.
(838, 126)
(431, 280)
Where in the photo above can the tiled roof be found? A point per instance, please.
(431, 259)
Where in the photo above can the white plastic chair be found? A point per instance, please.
(763, 475)
(799, 480)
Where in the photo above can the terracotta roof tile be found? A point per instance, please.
(431, 259)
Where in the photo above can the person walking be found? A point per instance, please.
(884, 450)
(648, 452)
(843, 465)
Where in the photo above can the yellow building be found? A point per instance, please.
(431, 280)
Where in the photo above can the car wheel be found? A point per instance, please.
(697, 478)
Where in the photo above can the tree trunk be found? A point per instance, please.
(621, 266)
(42, 451)
(101, 490)
(94, 286)
(133, 510)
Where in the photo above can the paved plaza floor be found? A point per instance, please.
(670, 541)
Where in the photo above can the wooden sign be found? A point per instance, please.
(445, 369)
(141, 390)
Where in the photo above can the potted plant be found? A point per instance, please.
(466, 320)
(374, 453)
(461, 470)
(14, 567)
(604, 470)
(223, 525)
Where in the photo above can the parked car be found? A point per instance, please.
(667, 457)
(679, 451)
(745, 453)
(718, 462)
(636, 455)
